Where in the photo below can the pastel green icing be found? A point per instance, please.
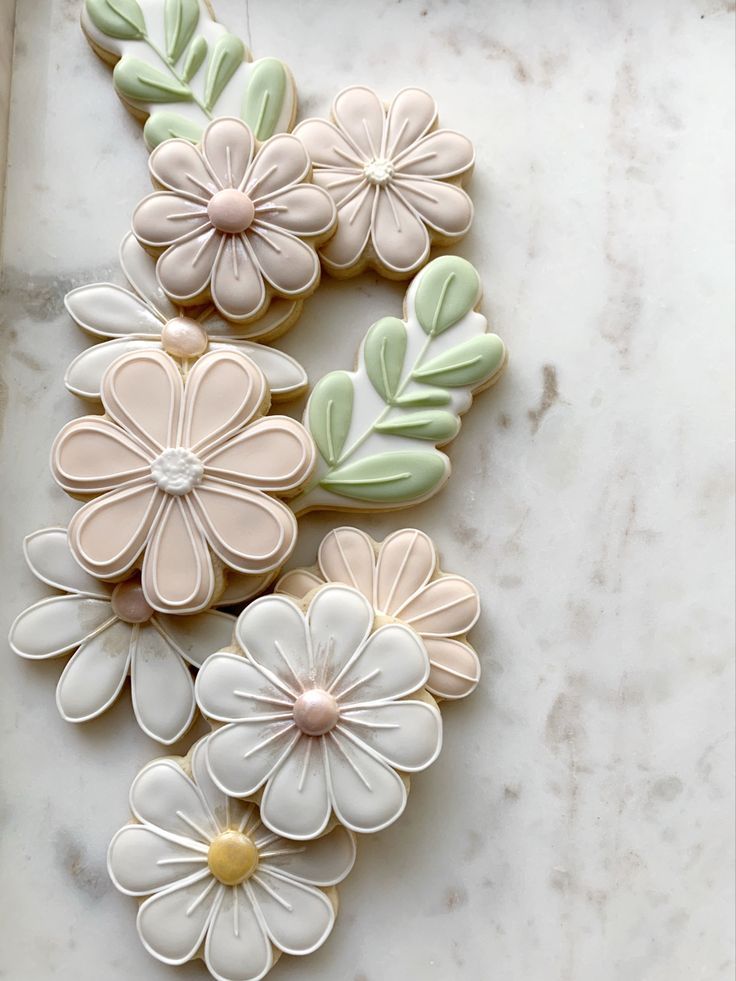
(448, 288)
(384, 352)
(330, 412)
(117, 18)
(263, 101)
(180, 21)
(162, 125)
(423, 397)
(227, 56)
(135, 79)
(389, 478)
(195, 56)
(434, 424)
(465, 365)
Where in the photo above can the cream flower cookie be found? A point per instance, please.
(184, 476)
(235, 222)
(214, 882)
(401, 578)
(394, 177)
(325, 714)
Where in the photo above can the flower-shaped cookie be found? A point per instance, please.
(402, 579)
(143, 318)
(317, 713)
(394, 178)
(220, 885)
(115, 633)
(184, 472)
(237, 224)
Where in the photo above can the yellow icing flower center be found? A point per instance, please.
(232, 857)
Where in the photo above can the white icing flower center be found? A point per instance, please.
(177, 470)
(183, 337)
(316, 712)
(230, 211)
(232, 857)
(379, 171)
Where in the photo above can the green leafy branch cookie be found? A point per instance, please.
(377, 428)
(177, 68)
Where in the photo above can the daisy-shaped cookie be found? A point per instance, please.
(142, 318)
(234, 223)
(219, 885)
(317, 713)
(185, 475)
(394, 178)
(402, 579)
(114, 634)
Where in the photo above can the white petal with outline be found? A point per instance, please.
(57, 625)
(93, 677)
(163, 692)
(50, 559)
(141, 860)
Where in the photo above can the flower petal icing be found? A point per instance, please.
(157, 668)
(93, 677)
(346, 555)
(227, 147)
(296, 802)
(176, 165)
(273, 453)
(360, 116)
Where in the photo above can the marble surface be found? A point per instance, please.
(579, 821)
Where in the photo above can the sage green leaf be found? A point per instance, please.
(389, 478)
(195, 56)
(134, 79)
(330, 411)
(264, 98)
(465, 365)
(163, 125)
(117, 18)
(180, 20)
(434, 424)
(383, 353)
(227, 56)
(423, 397)
(448, 288)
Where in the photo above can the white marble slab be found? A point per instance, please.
(579, 821)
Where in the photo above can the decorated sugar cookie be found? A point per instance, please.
(326, 713)
(113, 633)
(378, 428)
(401, 578)
(176, 69)
(214, 883)
(394, 177)
(234, 222)
(142, 318)
(183, 477)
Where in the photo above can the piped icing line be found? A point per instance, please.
(141, 318)
(214, 882)
(183, 476)
(378, 428)
(234, 222)
(326, 714)
(394, 177)
(401, 578)
(177, 69)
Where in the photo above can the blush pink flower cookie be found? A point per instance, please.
(184, 476)
(214, 883)
(234, 221)
(401, 578)
(394, 177)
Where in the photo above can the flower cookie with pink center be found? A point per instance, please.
(234, 221)
(394, 177)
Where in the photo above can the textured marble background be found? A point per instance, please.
(578, 823)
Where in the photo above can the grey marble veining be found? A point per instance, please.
(578, 823)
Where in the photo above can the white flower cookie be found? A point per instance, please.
(214, 882)
(234, 222)
(394, 177)
(176, 69)
(401, 578)
(326, 713)
(184, 476)
(143, 318)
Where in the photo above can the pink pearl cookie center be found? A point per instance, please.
(129, 603)
(316, 712)
(183, 337)
(230, 211)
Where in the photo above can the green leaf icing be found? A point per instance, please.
(195, 56)
(330, 413)
(137, 80)
(434, 424)
(389, 478)
(264, 97)
(122, 19)
(384, 353)
(180, 21)
(226, 58)
(423, 397)
(164, 125)
(468, 364)
(448, 288)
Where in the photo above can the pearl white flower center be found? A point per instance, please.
(379, 171)
(177, 470)
(232, 857)
(316, 712)
(230, 211)
(183, 337)
(129, 603)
